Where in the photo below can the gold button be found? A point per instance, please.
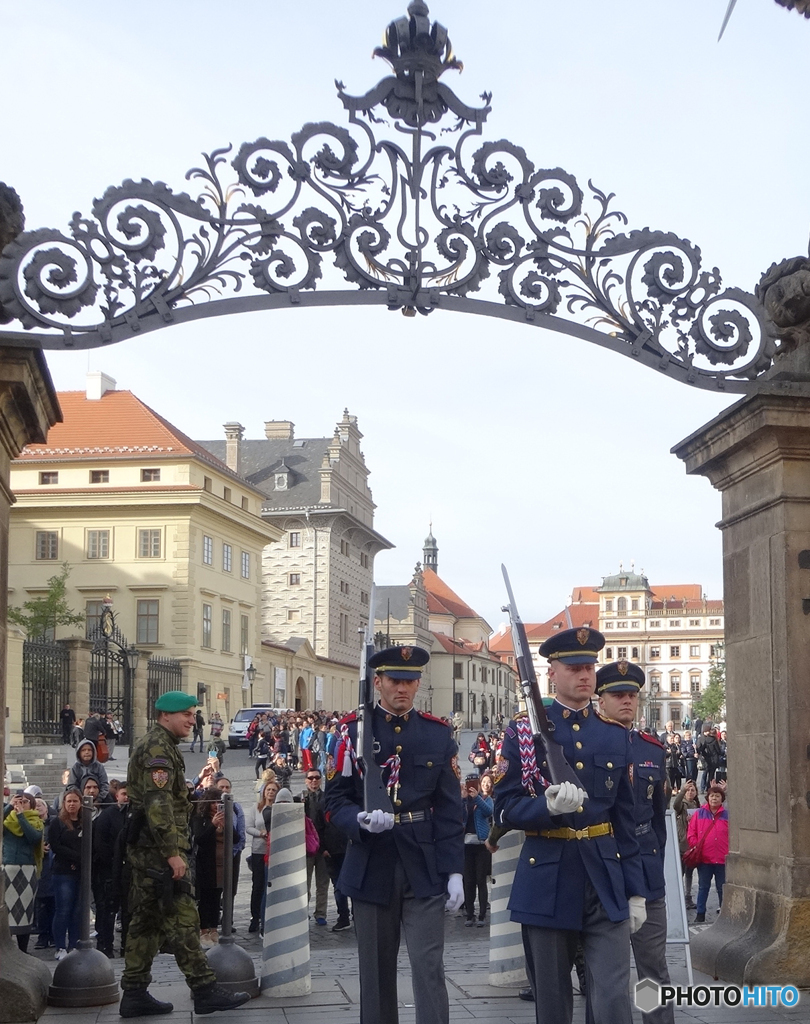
(610, 764)
(531, 860)
(575, 727)
(398, 750)
(398, 803)
(579, 765)
(397, 728)
(430, 764)
(578, 745)
(580, 809)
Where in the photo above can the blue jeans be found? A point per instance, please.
(705, 874)
(67, 915)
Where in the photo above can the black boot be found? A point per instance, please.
(214, 997)
(137, 1002)
(527, 994)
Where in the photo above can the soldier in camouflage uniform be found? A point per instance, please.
(159, 840)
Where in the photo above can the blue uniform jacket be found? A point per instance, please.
(549, 886)
(649, 772)
(429, 850)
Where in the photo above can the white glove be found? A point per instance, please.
(564, 798)
(638, 913)
(376, 821)
(455, 891)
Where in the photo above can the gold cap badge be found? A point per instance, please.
(623, 666)
(406, 653)
(582, 635)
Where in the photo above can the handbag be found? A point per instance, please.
(102, 750)
(691, 858)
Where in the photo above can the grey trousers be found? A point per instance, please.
(650, 952)
(378, 934)
(550, 957)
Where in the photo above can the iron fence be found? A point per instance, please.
(46, 686)
(162, 674)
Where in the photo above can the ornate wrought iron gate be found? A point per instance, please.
(45, 687)
(110, 679)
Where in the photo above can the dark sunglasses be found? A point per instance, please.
(313, 778)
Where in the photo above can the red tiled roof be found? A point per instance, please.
(678, 592)
(442, 600)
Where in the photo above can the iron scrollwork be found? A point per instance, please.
(423, 216)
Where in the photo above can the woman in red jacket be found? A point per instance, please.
(709, 826)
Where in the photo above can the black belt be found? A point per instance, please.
(406, 817)
(643, 829)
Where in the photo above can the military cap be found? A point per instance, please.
(618, 676)
(574, 646)
(399, 662)
(175, 700)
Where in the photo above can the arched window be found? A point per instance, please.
(621, 604)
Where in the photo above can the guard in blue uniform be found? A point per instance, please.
(579, 871)
(400, 868)
(617, 686)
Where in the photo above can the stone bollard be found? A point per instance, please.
(286, 969)
(232, 965)
(85, 977)
(507, 960)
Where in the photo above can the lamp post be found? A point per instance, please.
(430, 698)
(250, 675)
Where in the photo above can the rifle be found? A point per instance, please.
(559, 769)
(375, 796)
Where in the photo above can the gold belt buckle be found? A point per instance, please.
(581, 833)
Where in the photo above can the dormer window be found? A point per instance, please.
(282, 477)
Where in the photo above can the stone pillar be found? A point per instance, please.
(28, 408)
(15, 643)
(757, 453)
(140, 710)
(79, 674)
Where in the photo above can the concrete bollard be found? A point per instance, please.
(85, 977)
(286, 967)
(507, 960)
(232, 965)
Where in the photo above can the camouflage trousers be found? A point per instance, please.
(154, 926)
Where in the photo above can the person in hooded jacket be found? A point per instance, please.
(86, 764)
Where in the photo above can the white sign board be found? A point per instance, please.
(280, 686)
(677, 925)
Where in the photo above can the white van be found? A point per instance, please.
(237, 729)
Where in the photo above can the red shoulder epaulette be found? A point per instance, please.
(433, 718)
(610, 721)
(351, 717)
(652, 739)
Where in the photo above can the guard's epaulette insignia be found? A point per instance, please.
(610, 721)
(158, 762)
(652, 739)
(499, 770)
(455, 767)
(433, 718)
(330, 768)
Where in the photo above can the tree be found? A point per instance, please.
(40, 616)
(712, 701)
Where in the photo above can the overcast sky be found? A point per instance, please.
(525, 447)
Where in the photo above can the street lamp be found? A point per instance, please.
(430, 698)
(250, 672)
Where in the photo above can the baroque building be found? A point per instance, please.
(672, 631)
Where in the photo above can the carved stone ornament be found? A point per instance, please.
(413, 210)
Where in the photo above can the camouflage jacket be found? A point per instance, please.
(161, 806)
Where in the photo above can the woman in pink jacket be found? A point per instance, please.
(709, 823)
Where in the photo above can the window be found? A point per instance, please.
(694, 650)
(694, 622)
(675, 624)
(99, 476)
(47, 545)
(621, 625)
(344, 547)
(675, 715)
(655, 683)
(227, 557)
(609, 653)
(245, 504)
(295, 539)
(634, 604)
(364, 559)
(245, 565)
(694, 683)
(552, 686)
(608, 604)
(474, 674)
(295, 579)
(244, 633)
(675, 651)
(150, 476)
(226, 629)
(634, 625)
(293, 615)
(634, 652)
(458, 670)
(621, 604)
(714, 650)
(92, 614)
(208, 484)
(147, 613)
(98, 543)
(621, 652)
(208, 550)
(226, 493)
(655, 652)
(458, 702)
(609, 625)
(149, 543)
(207, 622)
(675, 683)
(344, 587)
(49, 478)
(363, 597)
(344, 628)
(714, 622)
(654, 623)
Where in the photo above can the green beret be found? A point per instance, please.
(175, 700)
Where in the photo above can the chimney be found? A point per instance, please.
(98, 384)
(233, 446)
(279, 430)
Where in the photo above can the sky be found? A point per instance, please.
(521, 446)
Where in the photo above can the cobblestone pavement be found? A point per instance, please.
(335, 984)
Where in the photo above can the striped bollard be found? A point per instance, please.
(507, 960)
(285, 955)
